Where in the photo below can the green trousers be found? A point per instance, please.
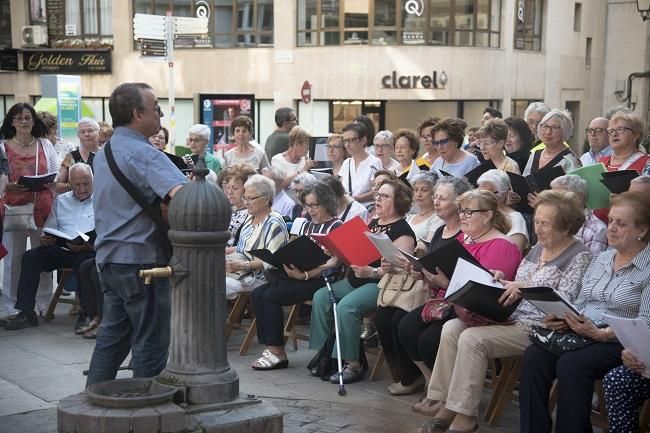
(353, 305)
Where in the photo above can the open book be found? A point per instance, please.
(301, 252)
(349, 243)
(37, 183)
(548, 301)
(62, 238)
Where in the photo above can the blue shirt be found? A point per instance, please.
(125, 233)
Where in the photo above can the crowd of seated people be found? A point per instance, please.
(412, 188)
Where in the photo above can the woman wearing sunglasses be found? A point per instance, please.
(448, 137)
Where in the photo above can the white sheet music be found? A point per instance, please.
(466, 271)
(386, 247)
(634, 335)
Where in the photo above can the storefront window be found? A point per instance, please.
(5, 24)
(232, 23)
(528, 25)
(399, 22)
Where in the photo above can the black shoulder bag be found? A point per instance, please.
(152, 210)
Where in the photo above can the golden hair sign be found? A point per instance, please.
(67, 60)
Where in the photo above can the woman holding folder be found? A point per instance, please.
(617, 283)
(358, 292)
(557, 261)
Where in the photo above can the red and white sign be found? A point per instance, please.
(305, 92)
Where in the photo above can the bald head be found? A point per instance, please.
(597, 134)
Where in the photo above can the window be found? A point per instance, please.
(396, 22)
(577, 17)
(232, 23)
(5, 24)
(588, 54)
(528, 25)
(518, 106)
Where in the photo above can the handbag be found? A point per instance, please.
(401, 291)
(558, 342)
(19, 217)
(436, 308)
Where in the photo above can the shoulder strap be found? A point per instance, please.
(347, 210)
(135, 194)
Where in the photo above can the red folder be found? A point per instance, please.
(349, 243)
(3, 251)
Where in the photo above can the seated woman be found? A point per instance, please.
(407, 146)
(424, 220)
(293, 161)
(593, 232)
(336, 152)
(384, 145)
(348, 208)
(492, 142)
(378, 178)
(448, 136)
(296, 286)
(410, 340)
(232, 181)
(626, 388)
(263, 228)
(358, 292)
(616, 283)
(282, 203)
(557, 261)
(498, 182)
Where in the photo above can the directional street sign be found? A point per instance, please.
(149, 27)
(186, 25)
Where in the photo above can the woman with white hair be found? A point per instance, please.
(625, 134)
(88, 133)
(263, 229)
(593, 232)
(197, 140)
(384, 145)
(498, 182)
(424, 220)
(533, 116)
(554, 129)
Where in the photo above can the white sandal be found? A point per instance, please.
(269, 361)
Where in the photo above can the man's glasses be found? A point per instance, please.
(594, 131)
(619, 130)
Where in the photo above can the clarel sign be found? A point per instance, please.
(394, 81)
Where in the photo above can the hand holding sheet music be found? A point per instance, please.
(634, 335)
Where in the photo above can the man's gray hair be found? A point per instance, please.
(573, 183)
(566, 122)
(201, 130)
(80, 166)
(498, 178)
(88, 121)
(536, 107)
(264, 186)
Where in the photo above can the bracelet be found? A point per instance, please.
(306, 276)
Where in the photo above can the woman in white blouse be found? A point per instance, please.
(294, 160)
(498, 182)
(245, 152)
(357, 171)
(424, 220)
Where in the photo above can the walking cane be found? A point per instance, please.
(336, 334)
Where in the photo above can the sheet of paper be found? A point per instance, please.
(386, 247)
(464, 272)
(557, 309)
(634, 335)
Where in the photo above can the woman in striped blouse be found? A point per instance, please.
(617, 284)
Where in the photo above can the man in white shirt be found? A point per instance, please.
(598, 142)
(72, 213)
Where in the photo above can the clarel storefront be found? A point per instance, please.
(397, 61)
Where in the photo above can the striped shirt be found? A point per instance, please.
(624, 293)
(270, 234)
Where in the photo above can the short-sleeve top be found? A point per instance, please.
(394, 231)
(270, 234)
(256, 158)
(456, 169)
(517, 224)
(498, 253)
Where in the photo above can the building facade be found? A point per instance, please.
(398, 61)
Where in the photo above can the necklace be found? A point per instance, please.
(478, 237)
(425, 213)
(23, 144)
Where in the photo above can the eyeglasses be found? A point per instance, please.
(486, 142)
(23, 119)
(87, 131)
(380, 196)
(550, 128)
(440, 142)
(156, 108)
(311, 206)
(594, 131)
(467, 213)
(350, 140)
(381, 146)
(333, 146)
(619, 130)
(534, 123)
(250, 199)
(196, 140)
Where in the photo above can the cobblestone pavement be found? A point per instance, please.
(39, 366)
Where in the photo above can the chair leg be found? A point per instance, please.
(644, 417)
(236, 314)
(49, 314)
(506, 391)
(497, 383)
(379, 362)
(246, 344)
(289, 331)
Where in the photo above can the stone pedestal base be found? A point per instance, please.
(75, 414)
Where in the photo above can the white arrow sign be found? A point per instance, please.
(149, 26)
(185, 25)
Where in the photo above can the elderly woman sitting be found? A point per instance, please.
(198, 139)
(232, 182)
(557, 261)
(593, 232)
(555, 128)
(263, 228)
(617, 283)
(498, 182)
(423, 220)
(359, 291)
(294, 285)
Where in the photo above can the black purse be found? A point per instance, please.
(558, 342)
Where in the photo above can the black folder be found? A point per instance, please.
(473, 175)
(445, 258)
(548, 301)
(62, 238)
(541, 180)
(536, 182)
(619, 181)
(484, 300)
(36, 183)
(302, 252)
(177, 161)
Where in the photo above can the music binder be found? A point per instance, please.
(62, 238)
(37, 183)
(618, 181)
(349, 243)
(548, 301)
(445, 257)
(482, 299)
(301, 252)
(473, 175)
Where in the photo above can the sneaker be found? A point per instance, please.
(22, 320)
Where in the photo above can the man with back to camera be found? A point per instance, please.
(136, 317)
(598, 142)
(278, 141)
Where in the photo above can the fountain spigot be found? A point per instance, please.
(148, 274)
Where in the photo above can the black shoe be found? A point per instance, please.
(22, 320)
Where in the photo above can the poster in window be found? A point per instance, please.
(218, 111)
(37, 11)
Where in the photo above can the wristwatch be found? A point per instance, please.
(375, 272)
